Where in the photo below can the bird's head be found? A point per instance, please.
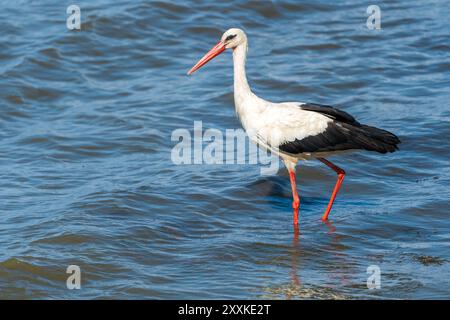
(231, 39)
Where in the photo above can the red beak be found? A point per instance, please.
(215, 51)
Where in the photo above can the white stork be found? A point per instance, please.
(296, 130)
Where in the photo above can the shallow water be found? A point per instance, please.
(85, 152)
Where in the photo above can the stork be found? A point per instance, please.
(296, 130)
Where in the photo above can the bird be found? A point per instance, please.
(296, 130)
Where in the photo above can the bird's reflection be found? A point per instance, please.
(331, 227)
(296, 251)
(295, 256)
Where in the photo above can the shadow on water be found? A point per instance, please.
(278, 191)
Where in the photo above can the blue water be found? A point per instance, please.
(85, 152)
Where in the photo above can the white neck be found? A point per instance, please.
(241, 88)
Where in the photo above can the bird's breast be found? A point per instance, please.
(275, 124)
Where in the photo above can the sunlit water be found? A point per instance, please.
(85, 152)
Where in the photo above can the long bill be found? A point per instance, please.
(215, 51)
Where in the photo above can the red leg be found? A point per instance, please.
(341, 175)
(296, 202)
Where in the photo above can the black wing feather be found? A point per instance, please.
(343, 133)
(330, 112)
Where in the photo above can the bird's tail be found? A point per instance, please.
(374, 139)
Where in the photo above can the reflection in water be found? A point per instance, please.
(296, 250)
(295, 256)
(331, 227)
(335, 275)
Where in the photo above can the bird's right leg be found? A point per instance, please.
(296, 199)
(290, 165)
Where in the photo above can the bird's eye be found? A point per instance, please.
(231, 36)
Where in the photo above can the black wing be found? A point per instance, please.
(343, 133)
(330, 112)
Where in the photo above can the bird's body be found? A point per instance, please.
(295, 130)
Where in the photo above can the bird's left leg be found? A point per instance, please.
(341, 174)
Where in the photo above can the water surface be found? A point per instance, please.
(87, 178)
